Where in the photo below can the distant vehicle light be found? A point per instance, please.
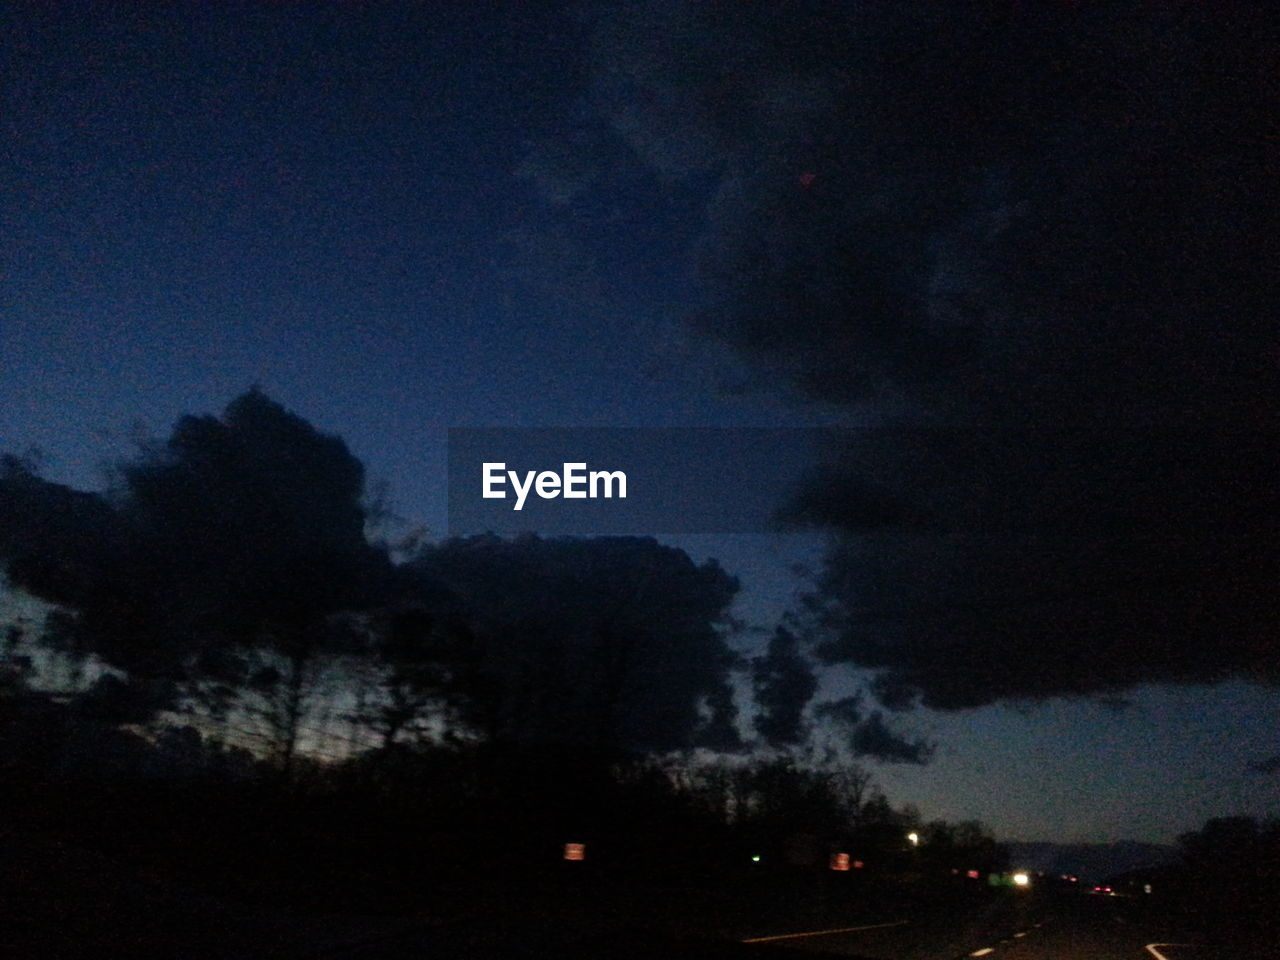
(1021, 880)
(973, 875)
(839, 861)
(575, 851)
(858, 864)
(914, 838)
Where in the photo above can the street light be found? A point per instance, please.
(914, 838)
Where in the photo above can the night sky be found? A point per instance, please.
(1022, 248)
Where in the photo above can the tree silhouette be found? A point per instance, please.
(613, 642)
(218, 563)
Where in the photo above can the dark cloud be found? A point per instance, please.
(874, 738)
(784, 683)
(847, 711)
(1036, 242)
(611, 642)
(870, 735)
(1052, 563)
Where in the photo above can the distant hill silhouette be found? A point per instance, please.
(1091, 861)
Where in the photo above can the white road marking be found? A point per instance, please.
(1151, 949)
(823, 933)
(983, 952)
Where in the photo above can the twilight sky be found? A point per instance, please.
(1031, 234)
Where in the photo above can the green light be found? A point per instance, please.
(756, 858)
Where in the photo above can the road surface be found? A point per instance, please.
(1072, 928)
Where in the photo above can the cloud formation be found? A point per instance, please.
(1035, 243)
(784, 683)
(870, 734)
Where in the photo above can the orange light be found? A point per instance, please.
(839, 861)
(575, 851)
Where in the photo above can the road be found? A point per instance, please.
(1072, 928)
(76, 905)
(1012, 928)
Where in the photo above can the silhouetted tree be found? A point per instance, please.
(613, 643)
(1234, 869)
(237, 539)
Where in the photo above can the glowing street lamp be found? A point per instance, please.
(914, 838)
(1021, 880)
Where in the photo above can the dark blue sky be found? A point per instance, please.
(398, 220)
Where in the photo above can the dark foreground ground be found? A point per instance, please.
(64, 900)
